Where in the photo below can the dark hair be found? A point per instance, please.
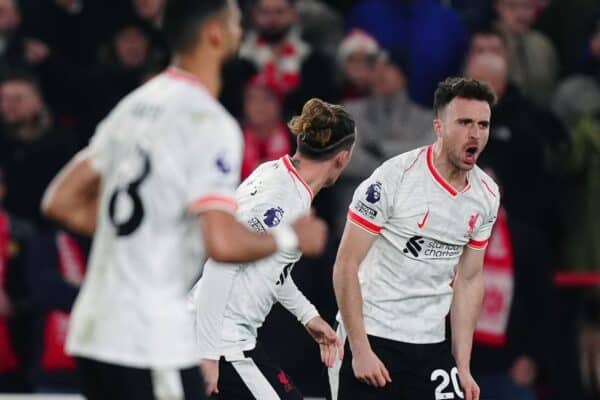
(254, 3)
(23, 75)
(488, 30)
(465, 88)
(183, 20)
(323, 129)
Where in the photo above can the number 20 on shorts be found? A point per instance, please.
(442, 391)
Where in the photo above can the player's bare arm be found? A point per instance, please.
(72, 200)
(219, 227)
(354, 247)
(466, 305)
(72, 197)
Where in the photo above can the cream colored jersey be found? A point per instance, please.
(168, 151)
(422, 225)
(231, 301)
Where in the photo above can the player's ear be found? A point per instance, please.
(214, 33)
(342, 158)
(437, 127)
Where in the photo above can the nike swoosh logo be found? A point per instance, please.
(422, 223)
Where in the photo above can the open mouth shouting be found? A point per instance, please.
(470, 154)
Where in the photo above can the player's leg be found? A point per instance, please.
(433, 375)
(109, 381)
(175, 384)
(193, 384)
(350, 388)
(90, 374)
(231, 385)
(259, 375)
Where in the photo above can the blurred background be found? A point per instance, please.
(65, 63)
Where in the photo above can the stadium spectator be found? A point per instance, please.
(150, 11)
(13, 45)
(519, 135)
(433, 37)
(32, 148)
(568, 24)
(507, 353)
(356, 60)
(14, 306)
(274, 47)
(321, 25)
(123, 63)
(150, 14)
(389, 124)
(55, 265)
(266, 136)
(475, 13)
(580, 167)
(72, 28)
(579, 95)
(577, 103)
(487, 40)
(533, 65)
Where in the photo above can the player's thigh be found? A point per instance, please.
(350, 388)
(435, 378)
(263, 378)
(231, 385)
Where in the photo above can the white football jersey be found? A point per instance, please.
(233, 300)
(167, 152)
(423, 225)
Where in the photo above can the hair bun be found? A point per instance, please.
(314, 125)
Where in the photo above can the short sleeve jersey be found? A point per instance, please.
(422, 225)
(233, 300)
(167, 152)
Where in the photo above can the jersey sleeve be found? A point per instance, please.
(99, 148)
(213, 152)
(372, 202)
(480, 237)
(293, 300)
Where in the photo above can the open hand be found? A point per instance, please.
(369, 369)
(470, 387)
(329, 342)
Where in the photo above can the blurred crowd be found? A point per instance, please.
(65, 63)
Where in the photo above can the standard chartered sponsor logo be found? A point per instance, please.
(419, 246)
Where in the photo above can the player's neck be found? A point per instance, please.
(456, 177)
(311, 172)
(206, 69)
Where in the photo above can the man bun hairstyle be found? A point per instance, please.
(183, 20)
(323, 129)
(465, 88)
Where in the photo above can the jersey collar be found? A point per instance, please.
(290, 167)
(440, 179)
(181, 75)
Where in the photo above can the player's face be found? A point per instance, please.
(233, 30)
(464, 127)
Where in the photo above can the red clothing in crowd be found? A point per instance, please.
(258, 149)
